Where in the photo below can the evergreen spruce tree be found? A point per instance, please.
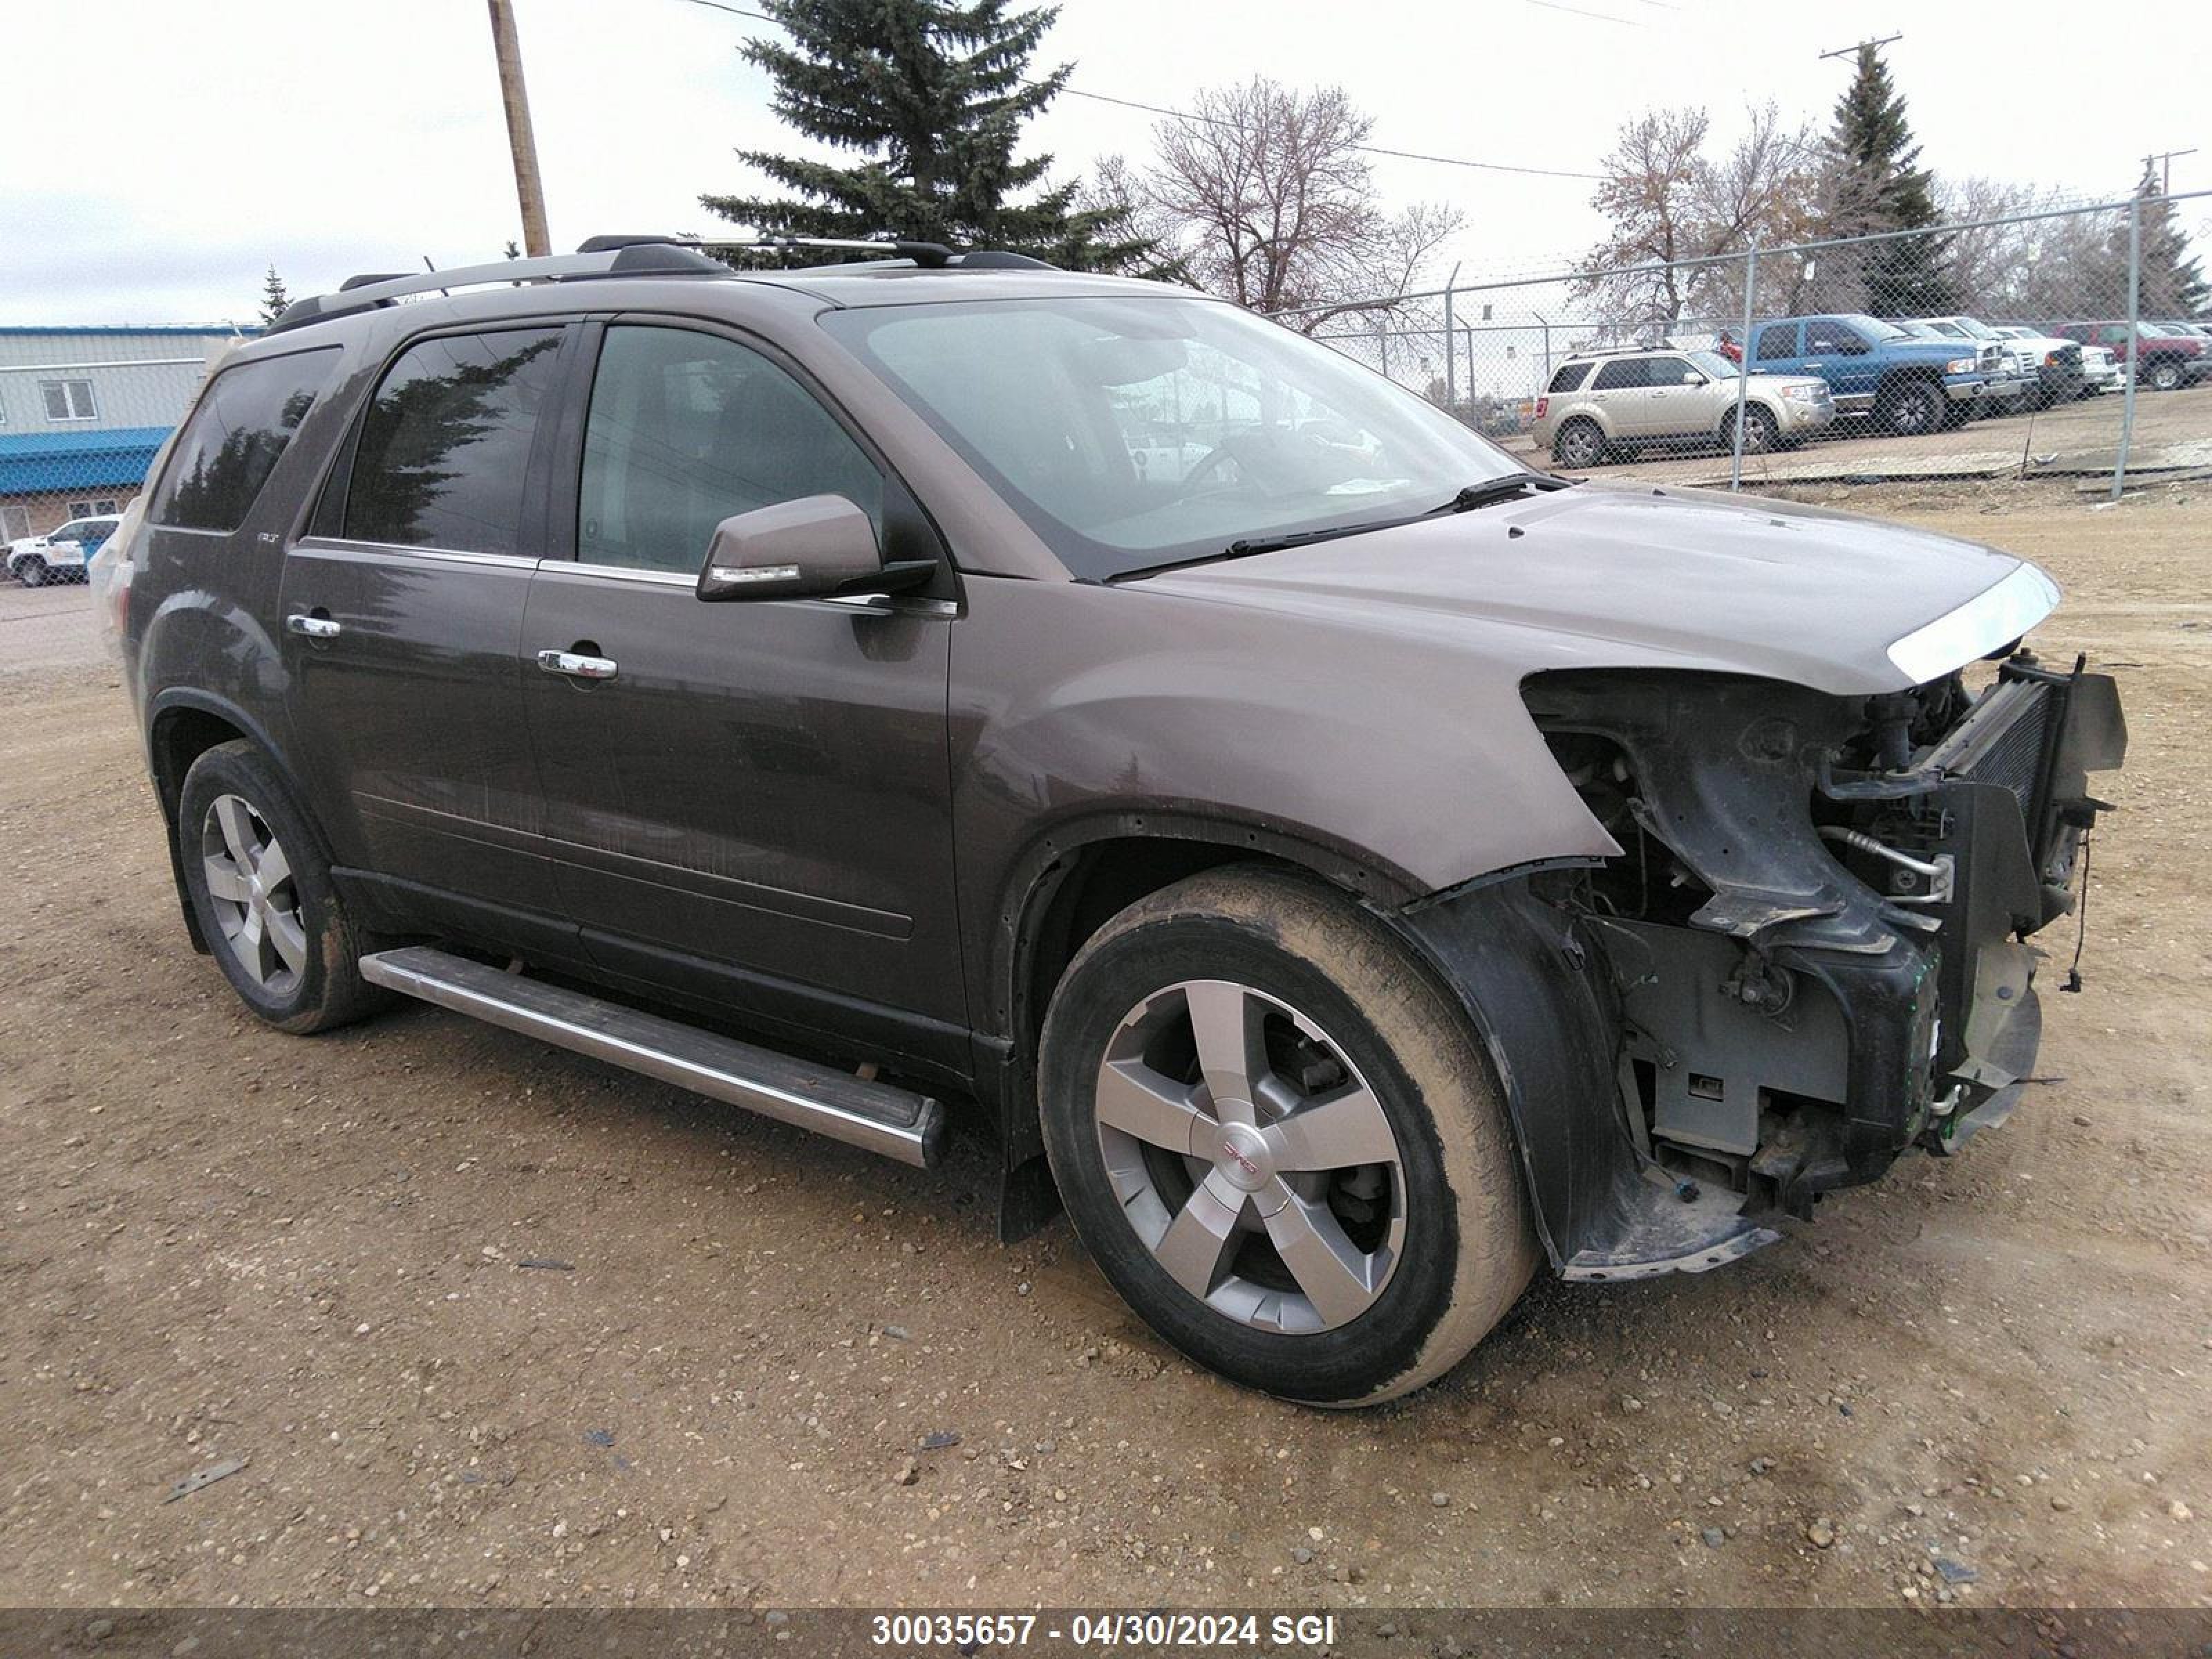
(2173, 285)
(274, 299)
(1876, 185)
(930, 96)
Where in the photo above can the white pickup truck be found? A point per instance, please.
(60, 555)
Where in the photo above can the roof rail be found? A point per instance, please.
(664, 257)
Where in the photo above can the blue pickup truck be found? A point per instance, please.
(1905, 384)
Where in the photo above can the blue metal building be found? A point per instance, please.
(82, 411)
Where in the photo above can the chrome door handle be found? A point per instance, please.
(315, 627)
(576, 667)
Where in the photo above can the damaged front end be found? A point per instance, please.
(1811, 953)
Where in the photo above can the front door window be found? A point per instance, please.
(686, 430)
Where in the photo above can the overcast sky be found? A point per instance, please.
(163, 154)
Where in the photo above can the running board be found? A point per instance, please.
(873, 1117)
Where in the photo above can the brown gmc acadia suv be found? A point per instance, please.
(1348, 871)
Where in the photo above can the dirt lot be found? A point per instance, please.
(331, 1257)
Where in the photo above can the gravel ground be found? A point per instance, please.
(491, 1324)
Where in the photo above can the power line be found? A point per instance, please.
(1554, 5)
(1854, 50)
(1218, 121)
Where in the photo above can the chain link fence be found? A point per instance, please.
(2057, 344)
(82, 412)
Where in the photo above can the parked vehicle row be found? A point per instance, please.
(60, 555)
(2170, 355)
(1900, 377)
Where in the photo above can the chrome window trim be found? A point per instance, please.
(396, 549)
(1991, 619)
(866, 603)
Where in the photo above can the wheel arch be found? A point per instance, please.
(182, 724)
(1070, 881)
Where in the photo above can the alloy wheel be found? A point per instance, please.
(1250, 1156)
(255, 897)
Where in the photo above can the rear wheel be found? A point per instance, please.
(1909, 408)
(32, 572)
(1579, 444)
(261, 888)
(2165, 375)
(1281, 1142)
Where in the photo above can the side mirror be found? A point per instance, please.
(1693, 378)
(810, 547)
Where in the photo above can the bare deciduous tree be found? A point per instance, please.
(1669, 200)
(1261, 197)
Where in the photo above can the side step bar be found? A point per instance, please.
(874, 1116)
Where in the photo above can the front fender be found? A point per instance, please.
(1531, 984)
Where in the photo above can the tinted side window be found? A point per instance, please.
(1668, 371)
(1777, 341)
(1568, 378)
(445, 446)
(1833, 336)
(240, 426)
(688, 429)
(1622, 373)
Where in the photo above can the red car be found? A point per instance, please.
(2169, 361)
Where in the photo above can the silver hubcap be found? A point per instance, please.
(1250, 1156)
(257, 902)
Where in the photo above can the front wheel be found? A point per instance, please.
(1909, 408)
(2165, 376)
(1281, 1142)
(1759, 432)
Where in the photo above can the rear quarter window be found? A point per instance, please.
(1570, 377)
(238, 432)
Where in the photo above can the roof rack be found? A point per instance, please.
(619, 256)
(929, 255)
(657, 257)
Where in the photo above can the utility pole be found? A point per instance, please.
(521, 141)
(1854, 50)
(2163, 160)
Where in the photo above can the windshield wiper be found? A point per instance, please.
(1490, 491)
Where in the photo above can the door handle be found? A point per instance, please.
(314, 628)
(576, 666)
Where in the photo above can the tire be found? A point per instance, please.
(1909, 408)
(277, 927)
(2166, 375)
(1579, 443)
(1424, 1215)
(1760, 434)
(32, 573)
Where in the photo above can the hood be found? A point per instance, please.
(1615, 576)
(1918, 350)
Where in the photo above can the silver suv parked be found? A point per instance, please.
(1600, 404)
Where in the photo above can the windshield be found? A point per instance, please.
(1134, 433)
(1874, 328)
(1977, 331)
(1715, 367)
